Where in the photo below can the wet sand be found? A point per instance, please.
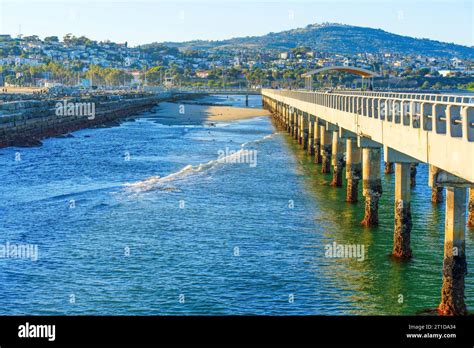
(195, 113)
(227, 113)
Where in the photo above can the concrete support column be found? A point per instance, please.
(436, 190)
(288, 121)
(470, 208)
(317, 143)
(326, 149)
(353, 169)
(301, 138)
(292, 122)
(454, 263)
(304, 131)
(372, 185)
(388, 169)
(310, 136)
(283, 117)
(297, 125)
(279, 114)
(413, 174)
(401, 234)
(300, 121)
(337, 159)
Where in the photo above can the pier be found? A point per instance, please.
(352, 129)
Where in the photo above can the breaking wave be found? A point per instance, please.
(163, 183)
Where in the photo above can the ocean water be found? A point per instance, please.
(148, 219)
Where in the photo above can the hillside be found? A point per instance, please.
(338, 38)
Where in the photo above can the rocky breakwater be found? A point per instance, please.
(27, 122)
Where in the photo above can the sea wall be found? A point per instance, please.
(27, 122)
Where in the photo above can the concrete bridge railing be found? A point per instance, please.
(435, 129)
(412, 96)
(348, 129)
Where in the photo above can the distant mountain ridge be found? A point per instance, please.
(338, 38)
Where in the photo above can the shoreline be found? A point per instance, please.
(203, 111)
(26, 124)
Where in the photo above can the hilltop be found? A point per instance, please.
(337, 38)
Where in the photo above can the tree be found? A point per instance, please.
(51, 39)
(407, 72)
(423, 72)
(469, 86)
(115, 77)
(32, 38)
(301, 50)
(154, 75)
(67, 39)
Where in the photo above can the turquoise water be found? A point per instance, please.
(142, 219)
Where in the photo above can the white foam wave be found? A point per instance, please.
(162, 183)
(269, 136)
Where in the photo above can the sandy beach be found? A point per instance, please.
(226, 113)
(199, 112)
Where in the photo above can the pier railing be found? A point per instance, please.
(413, 96)
(432, 128)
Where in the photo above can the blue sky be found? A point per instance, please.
(146, 21)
